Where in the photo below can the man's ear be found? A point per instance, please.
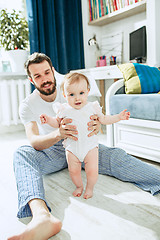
(53, 69)
(30, 79)
(64, 95)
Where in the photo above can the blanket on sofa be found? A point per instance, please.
(141, 106)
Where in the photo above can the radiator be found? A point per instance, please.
(12, 92)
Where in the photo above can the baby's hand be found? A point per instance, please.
(43, 118)
(124, 115)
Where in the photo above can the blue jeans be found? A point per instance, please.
(30, 165)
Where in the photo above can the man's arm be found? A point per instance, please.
(40, 142)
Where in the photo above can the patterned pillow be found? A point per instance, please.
(140, 78)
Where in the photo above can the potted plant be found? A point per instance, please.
(14, 37)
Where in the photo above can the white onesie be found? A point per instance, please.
(80, 118)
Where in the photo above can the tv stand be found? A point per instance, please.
(139, 60)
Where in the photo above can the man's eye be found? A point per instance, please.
(81, 93)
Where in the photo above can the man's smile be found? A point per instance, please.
(46, 85)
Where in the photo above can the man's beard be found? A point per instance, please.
(49, 91)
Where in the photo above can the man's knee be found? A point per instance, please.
(109, 157)
(21, 153)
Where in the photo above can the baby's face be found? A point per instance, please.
(77, 94)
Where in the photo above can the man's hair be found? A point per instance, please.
(36, 58)
(71, 78)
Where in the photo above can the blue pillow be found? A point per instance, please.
(149, 78)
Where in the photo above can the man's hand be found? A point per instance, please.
(66, 130)
(94, 125)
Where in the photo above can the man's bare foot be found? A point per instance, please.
(41, 227)
(78, 192)
(88, 193)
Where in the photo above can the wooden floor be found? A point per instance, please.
(117, 211)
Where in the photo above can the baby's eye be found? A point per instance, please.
(71, 94)
(81, 93)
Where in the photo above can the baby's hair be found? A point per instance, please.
(71, 78)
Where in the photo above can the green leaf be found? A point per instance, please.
(13, 30)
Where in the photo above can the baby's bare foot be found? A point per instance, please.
(40, 228)
(78, 192)
(88, 193)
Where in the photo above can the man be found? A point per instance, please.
(46, 153)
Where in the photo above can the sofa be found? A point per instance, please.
(138, 93)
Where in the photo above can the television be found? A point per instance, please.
(138, 45)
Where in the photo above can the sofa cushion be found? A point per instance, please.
(140, 78)
(141, 106)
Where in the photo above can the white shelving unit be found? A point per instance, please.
(120, 14)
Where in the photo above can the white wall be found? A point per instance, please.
(126, 26)
(90, 52)
(153, 38)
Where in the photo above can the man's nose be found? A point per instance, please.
(43, 78)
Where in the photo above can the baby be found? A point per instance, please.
(76, 88)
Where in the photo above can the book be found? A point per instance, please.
(111, 5)
(97, 9)
(105, 7)
(90, 10)
(121, 4)
(115, 5)
(126, 2)
(118, 4)
(102, 8)
(108, 6)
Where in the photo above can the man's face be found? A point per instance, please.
(43, 77)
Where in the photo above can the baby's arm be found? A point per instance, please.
(52, 121)
(110, 119)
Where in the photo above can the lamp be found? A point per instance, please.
(93, 41)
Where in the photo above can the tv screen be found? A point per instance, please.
(138, 44)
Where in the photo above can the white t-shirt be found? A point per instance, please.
(33, 106)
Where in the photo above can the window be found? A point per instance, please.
(19, 5)
(9, 5)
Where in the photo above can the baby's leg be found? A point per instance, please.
(74, 166)
(91, 168)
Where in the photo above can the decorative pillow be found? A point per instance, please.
(140, 78)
